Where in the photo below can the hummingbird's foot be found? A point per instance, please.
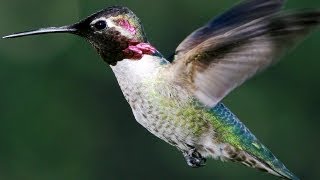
(194, 158)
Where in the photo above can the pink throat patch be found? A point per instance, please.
(137, 50)
(126, 24)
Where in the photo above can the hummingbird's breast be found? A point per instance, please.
(162, 107)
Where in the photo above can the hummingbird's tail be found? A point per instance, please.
(272, 165)
(243, 147)
(260, 158)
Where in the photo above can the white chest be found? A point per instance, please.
(135, 71)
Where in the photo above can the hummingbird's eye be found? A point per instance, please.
(100, 25)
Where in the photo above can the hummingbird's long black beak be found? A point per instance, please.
(63, 29)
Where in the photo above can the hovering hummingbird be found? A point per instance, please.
(179, 99)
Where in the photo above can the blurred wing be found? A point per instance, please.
(241, 14)
(221, 63)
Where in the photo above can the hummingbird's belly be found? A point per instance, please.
(173, 115)
(170, 127)
(184, 127)
(170, 115)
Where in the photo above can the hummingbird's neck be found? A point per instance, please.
(125, 49)
(136, 50)
(131, 71)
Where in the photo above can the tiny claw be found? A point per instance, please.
(194, 158)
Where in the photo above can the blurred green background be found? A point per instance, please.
(63, 116)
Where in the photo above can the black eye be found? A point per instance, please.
(100, 25)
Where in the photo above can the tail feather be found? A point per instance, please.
(240, 145)
(276, 168)
(270, 165)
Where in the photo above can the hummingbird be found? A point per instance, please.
(178, 99)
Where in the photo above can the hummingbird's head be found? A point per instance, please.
(115, 32)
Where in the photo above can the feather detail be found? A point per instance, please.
(221, 63)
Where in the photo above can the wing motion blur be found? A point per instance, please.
(230, 49)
